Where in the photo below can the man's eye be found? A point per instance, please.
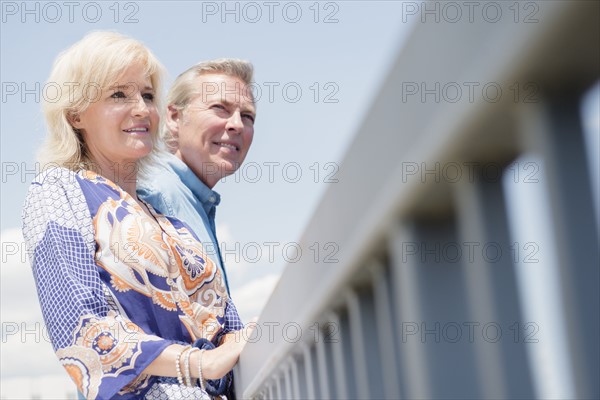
(218, 106)
(249, 117)
(118, 95)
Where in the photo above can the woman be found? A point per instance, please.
(124, 290)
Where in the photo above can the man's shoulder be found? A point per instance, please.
(162, 176)
(163, 187)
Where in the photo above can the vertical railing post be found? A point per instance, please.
(295, 378)
(322, 367)
(358, 344)
(415, 378)
(557, 136)
(308, 371)
(436, 307)
(337, 352)
(490, 280)
(387, 335)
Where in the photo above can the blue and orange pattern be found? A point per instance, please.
(117, 286)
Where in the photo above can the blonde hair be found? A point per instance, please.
(96, 61)
(185, 89)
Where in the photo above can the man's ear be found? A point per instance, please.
(173, 119)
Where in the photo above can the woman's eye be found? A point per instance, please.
(218, 106)
(148, 96)
(118, 95)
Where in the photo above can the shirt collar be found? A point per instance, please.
(208, 197)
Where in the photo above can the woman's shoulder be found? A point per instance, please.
(55, 197)
(55, 175)
(55, 187)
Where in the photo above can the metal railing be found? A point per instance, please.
(392, 319)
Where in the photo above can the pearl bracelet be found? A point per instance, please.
(188, 377)
(178, 365)
(200, 380)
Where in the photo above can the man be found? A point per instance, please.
(209, 124)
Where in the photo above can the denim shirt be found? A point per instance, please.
(174, 190)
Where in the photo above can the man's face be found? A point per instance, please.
(216, 129)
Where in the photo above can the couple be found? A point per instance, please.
(119, 229)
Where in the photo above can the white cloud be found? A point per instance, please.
(27, 353)
(19, 301)
(41, 387)
(249, 260)
(14, 256)
(252, 297)
(224, 233)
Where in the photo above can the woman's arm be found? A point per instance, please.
(215, 363)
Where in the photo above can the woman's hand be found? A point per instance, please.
(219, 361)
(215, 363)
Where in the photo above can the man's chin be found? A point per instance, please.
(229, 167)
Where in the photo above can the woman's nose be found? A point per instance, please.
(140, 108)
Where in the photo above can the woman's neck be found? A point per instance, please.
(123, 174)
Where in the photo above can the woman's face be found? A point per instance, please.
(118, 127)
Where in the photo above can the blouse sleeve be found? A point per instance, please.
(233, 321)
(103, 352)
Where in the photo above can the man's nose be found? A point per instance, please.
(234, 123)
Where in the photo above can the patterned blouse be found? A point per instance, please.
(116, 287)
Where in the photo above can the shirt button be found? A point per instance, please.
(212, 199)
